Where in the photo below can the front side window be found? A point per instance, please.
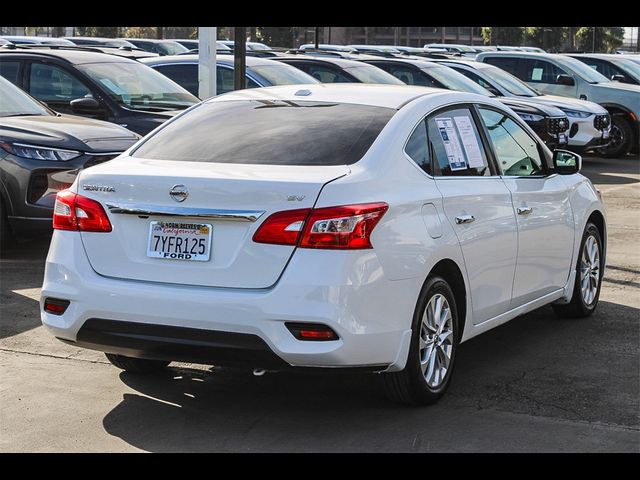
(269, 132)
(541, 71)
(456, 145)
(516, 152)
(370, 74)
(53, 84)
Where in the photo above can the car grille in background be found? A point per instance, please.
(602, 122)
(557, 125)
(97, 159)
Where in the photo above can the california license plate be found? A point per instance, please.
(180, 241)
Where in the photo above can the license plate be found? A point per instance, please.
(562, 138)
(180, 241)
(605, 135)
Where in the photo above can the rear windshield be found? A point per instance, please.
(269, 132)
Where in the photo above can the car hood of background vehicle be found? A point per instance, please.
(67, 132)
(569, 103)
(620, 86)
(528, 106)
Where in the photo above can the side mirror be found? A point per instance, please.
(564, 79)
(85, 105)
(566, 162)
(618, 78)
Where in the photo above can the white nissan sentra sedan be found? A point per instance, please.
(373, 227)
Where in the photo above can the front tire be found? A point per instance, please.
(589, 270)
(621, 138)
(136, 365)
(429, 367)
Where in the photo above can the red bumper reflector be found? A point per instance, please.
(55, 305)
(315, 332)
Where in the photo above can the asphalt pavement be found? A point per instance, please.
(535, 384)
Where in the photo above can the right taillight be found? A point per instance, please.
(75, 212)
(345, 227)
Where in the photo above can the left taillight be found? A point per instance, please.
(75, 212)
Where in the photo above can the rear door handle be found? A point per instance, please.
(464, 219)
(524, 210)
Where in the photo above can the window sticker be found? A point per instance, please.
(469, 142)
(536, 74)
(451, 144)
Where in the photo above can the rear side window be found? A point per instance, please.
(269, 132)
(456, 144)
(9, 70)
(510, 64)
(418, 147)
(50, 83)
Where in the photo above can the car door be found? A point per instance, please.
(477, 204)
(56, 86)
(542, 75)
(540, 200)
(184, 74)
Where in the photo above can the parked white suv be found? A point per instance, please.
(589, 123)
(563, 75)
(325, 226)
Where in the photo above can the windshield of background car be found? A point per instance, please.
(14, 101)
(173, 48)
(456, 81)
(138, 86)
(510, 83)
(269, 132)
(281, 74)
(371, 74)
(628, 66)
(584, 71)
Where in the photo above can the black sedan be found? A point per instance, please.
(40, 152)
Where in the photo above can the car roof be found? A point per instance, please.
(471, 63)
(418, 62)
(73, 56)
(602, 56)
(340, 62)
(223, 59)
(150, 40)
(389, 96)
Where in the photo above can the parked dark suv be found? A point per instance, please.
(40, 152)
(96, 85)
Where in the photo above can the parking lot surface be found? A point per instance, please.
(535, 384)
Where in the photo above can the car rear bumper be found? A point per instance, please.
(346, 290)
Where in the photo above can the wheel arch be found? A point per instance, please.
(452, 273)
(616, 109)
(597, 218)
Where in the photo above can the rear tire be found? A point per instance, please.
(136, 365)
(434, 341)
(586, 288)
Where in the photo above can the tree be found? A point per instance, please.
(552, 39)
(503, 35)
(139, 32)
(109, 32)
(608, 39)
(275, 36)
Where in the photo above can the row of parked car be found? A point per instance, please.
(43, 134)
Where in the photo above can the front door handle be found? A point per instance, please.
(464, 219)
(524, 210)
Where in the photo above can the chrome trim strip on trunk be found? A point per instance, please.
(212, 213)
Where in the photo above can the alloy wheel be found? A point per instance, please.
(590, 270)
(436, 340)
